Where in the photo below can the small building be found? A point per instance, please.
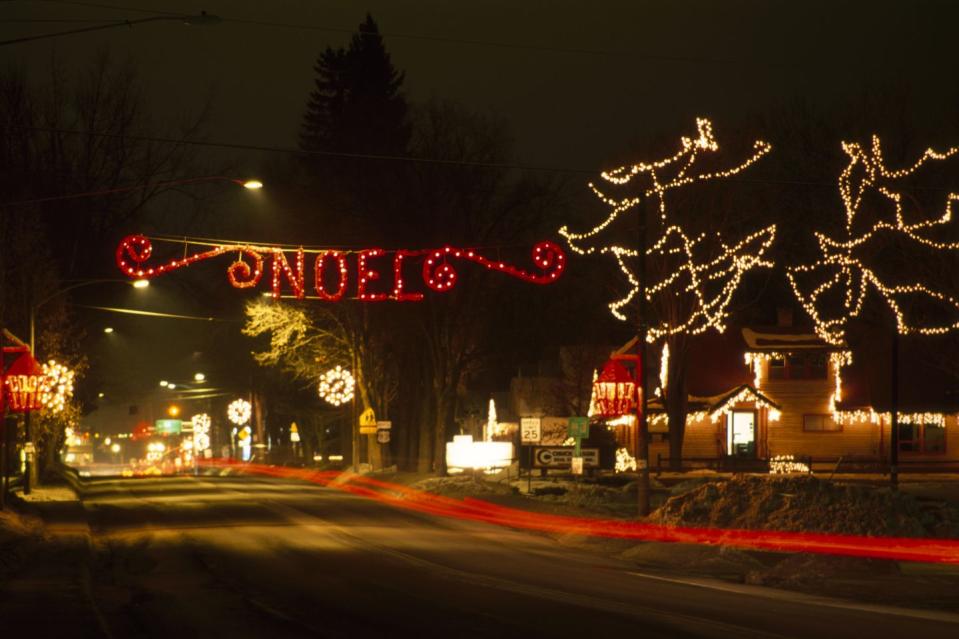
(757, 393)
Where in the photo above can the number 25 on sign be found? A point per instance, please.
(530, 430)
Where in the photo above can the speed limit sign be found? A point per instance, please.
(531, 431)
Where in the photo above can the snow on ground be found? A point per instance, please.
(807, 504)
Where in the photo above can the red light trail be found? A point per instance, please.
(945, 551)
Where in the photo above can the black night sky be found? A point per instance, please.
(581, 86)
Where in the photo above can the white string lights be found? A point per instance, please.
(703, 265)
(744, 394)
(201, 432)
(57, 387)
(624, 461)
(337, 386)
(239, 411)
(839, 270)
(785, 464)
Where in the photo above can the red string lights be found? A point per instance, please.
(438, 272)
(319, 284)
(294, 278)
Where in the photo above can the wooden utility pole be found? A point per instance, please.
(642, 431)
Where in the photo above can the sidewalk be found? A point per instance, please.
(49, 592)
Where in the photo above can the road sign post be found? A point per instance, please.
(531, 432)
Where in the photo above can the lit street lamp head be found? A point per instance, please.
(253, 185)
(108, 330)
(199, 377)
(141, 283)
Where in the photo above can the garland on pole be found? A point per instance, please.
(841, 271)
(706, 259)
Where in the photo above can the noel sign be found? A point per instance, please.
(373, 274)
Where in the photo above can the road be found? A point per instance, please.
(236, 557)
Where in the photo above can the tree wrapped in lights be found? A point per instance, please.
(692, 274)
(834, 289)
(703, 267)
(884, 237)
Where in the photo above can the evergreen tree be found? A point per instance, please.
(357, 105)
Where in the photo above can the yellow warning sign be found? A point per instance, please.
(368, 422)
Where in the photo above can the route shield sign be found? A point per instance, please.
(531, 430)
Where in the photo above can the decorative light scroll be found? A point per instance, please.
(841, 271)
(438, 271)
(711, 269)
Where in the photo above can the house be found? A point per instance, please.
(761, 392)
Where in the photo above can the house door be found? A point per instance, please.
(741, 434)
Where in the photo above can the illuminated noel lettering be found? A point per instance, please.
(370, 273)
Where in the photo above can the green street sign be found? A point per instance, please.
(578, 428)
(167, 426)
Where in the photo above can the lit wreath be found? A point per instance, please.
(239, 411)
(337, 386)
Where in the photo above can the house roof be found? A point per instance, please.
(780, 339)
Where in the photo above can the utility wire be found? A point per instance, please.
(131, 311)
(335, 154)
(451, 40)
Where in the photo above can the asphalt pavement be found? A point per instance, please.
(232, 557)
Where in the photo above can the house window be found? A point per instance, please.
(799, 366)
(820, 424)
(922, 438)
(777, 368)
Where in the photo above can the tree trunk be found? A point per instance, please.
(444, 413)
(425, 450)
(676, 399)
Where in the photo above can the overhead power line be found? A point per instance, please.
(442, 39)
(335, 154)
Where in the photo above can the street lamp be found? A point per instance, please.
(108, 330)
(199, 377)
(141, 283)
(28, 466)
(251, 184)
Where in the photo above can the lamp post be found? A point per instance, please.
(28, 464)
(251, 184)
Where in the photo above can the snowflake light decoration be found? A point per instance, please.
(57, 388)
(706, 259)
(201, 432)
(337, 386)
(842, 274)
(239, 411)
